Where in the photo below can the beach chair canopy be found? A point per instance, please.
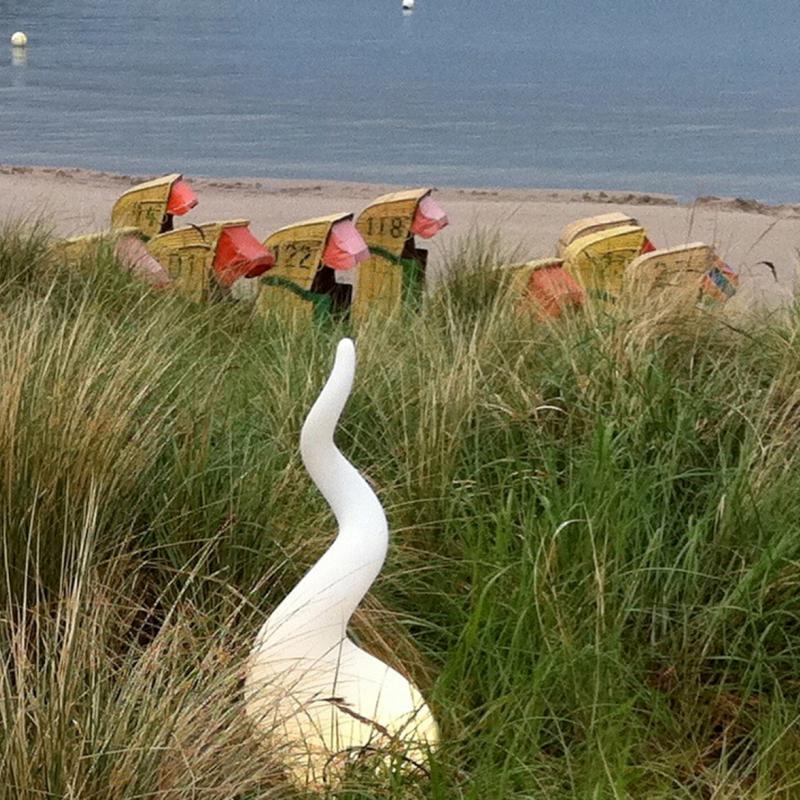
(554, 289)
(240, 255)
(719, 284)
(345, 247)
(429, 218)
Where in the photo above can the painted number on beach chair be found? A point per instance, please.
(184, 266)
(381, 226)
(148, 214)
(296, 254)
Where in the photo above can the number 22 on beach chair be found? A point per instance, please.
(308, 256)
(395, 271)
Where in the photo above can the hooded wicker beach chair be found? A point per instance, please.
(308, 257)
(204, 261)
(692, 272)
(395, 271)
(597, 261)
(589, 225)
(152, 206)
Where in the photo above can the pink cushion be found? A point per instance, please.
(346, 247)
(135, 257)
(429, 219)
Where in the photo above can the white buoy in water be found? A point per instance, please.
(408, 5)
(19, 39)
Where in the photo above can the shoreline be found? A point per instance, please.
(281, 186)
(745, 232)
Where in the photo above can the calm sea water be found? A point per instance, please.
(687, 96)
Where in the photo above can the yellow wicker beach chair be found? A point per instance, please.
(146, 209)
(72, 251)
(127, 245)
(589, 225)
(205, 260)
(691, 273)
(151, 206)
(395, 270)
(308, 255)
(598, 261)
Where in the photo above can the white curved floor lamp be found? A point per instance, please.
(308, 686)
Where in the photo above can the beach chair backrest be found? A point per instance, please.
(589, 225)
(598, 261)
(144, 206)
(392, 271)
(299, 270)
(677, 269)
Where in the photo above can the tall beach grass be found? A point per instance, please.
(594, 572)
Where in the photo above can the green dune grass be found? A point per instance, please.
(594, 572)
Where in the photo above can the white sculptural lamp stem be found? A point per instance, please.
(307, 684)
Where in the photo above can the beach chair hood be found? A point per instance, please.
(240, 255)
(429, 218)
(719, 284)
(542, 285)
(345, 247)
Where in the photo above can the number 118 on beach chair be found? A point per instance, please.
(395, 271)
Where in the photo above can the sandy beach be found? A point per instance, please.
(744, 232)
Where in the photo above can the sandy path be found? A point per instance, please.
(79, 201)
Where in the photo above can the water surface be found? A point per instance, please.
(682, 97)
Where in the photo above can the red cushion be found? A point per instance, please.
(182, 199)
(240, 255)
